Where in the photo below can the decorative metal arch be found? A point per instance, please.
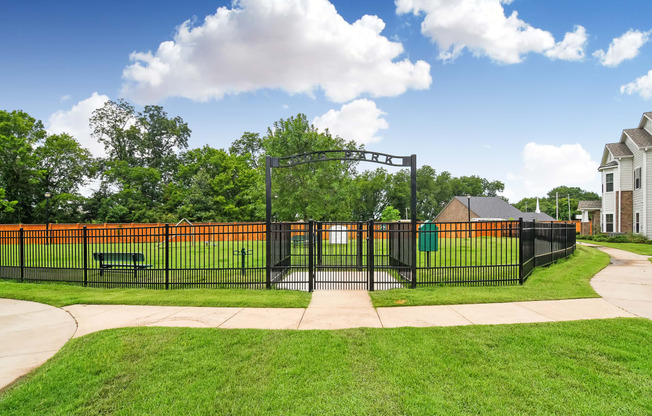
(350, 155)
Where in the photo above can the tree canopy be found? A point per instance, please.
(150, 175)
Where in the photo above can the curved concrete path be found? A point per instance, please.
(626, 282)
(30, 333)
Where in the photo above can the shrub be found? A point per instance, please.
(624, 238)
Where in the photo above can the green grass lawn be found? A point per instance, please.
(638, 248)
(198, 264)
(57, 294)
(601, 367)
(226, 255)
(567, 279)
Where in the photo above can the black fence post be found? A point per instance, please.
(552, 241)
(370, 254)
(520, 251)
(566, 231)
(359, 245)
(268, 223)
(85, 242)
(21, 243)
(167, 256)
(311, 254)
(320, 238)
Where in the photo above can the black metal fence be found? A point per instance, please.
(543, 243)
(302, 256)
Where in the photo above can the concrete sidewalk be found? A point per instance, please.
(30, 333)
(626, 282)
(340, 310)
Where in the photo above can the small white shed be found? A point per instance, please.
(338, 234)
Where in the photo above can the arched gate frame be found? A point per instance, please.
(336, 155)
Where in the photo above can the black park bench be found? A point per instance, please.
(135, 261)
(299, 239)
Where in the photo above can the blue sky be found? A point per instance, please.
(508, 90)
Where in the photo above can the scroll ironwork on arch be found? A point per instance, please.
(351, 155)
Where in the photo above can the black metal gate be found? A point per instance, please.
(341, 256)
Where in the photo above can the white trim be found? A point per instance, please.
(644, 186)
(619, 202)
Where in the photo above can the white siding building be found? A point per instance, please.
(626, 192)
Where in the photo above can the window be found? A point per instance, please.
(610, 182)
(637, 223)
(637, 178)
(609, 223)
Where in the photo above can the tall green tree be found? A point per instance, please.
(64, 166)
(320, 190)
(19, 135)
(251, 145)
(219, 186)
(141, 160)
(6, 206)
(369, 194)
(160, 140)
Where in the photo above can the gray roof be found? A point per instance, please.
(640, 136)
(619, 149)
(589, 205)
(648, 115)
(491, 207)
(539, 216)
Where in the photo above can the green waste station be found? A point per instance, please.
(428, 239)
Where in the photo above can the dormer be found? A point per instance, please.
(613, 153)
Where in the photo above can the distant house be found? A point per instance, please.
(626, 192)
(590, 216)
(485, 208)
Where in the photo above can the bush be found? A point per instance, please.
(624, 238)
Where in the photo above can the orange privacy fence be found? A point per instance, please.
(216, 232)
(137, 233)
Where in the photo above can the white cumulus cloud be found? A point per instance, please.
(75, 122)
(571, 48)
(359, 120)
(548, 166)
(641, 86)
(625, 47)
(482, 27)
(297, 46)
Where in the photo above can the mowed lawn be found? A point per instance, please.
(57, 294)
(227, 254)
(638, 248)
(601, 367)
(567, 279)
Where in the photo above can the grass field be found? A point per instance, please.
(225, 255)
(200, 264)
(567, 279)
(61, 295)
(601, 367)
(638, 248)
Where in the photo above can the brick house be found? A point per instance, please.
(485, 208)
(626, 192)
(590, 216)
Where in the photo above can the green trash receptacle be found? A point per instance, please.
(428, 237)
